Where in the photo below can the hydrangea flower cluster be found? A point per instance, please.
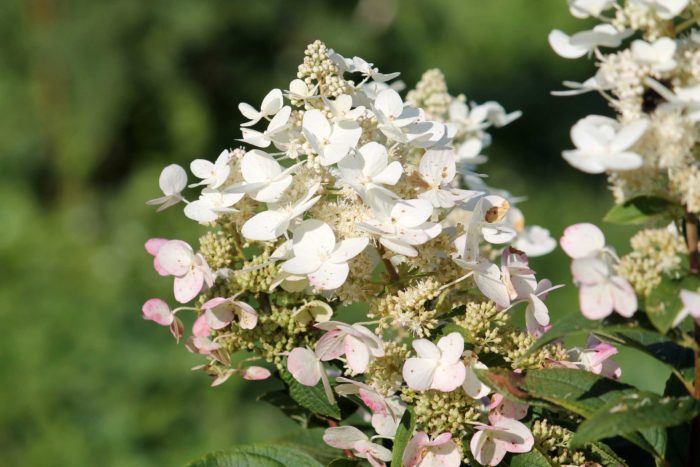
(648, 69)
(349, 193)
(649, 151)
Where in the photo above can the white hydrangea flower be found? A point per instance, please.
(603, 144)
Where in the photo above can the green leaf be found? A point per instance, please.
(311, 442)
(628, 413)
(403, 434)
(577, 391)
(664, 303)
(259, 455)
(640, 210)
(534, 458)
(601, 453)
(310, 397)
(343, 462)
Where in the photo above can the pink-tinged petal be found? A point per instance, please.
(159, 269)
(484, 450)
(177, 329)
(373, 401)
(513, 436)
(596, 301)
(188, 286)
(158, 311)
(343, 437)
(256, 373)
(413, 453)
(442, 438)
(418, 373)
(331, 345)
(357, 354)
(223, 377)
(204, 345)
(624, 297)
(175, 257)
(581, 240)
(443, 455)
(153, 245)
(220, 316)
(512, 409)
(200, 327)
(247, 316)
(304, 366)
(214, 302)
(449, 377)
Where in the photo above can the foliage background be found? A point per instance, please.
(98, 96)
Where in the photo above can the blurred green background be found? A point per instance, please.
(98, 96)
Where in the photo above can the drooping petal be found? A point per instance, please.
(158, 311)
(304, 366)
(247, 316)
(331, 345)
(343, 437)
(357, 354)
(485, 450)
(513, 435)
(256, 373)
(188, 286)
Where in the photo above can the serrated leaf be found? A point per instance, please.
(534, 458)
(577, 391)
(403, 434)
(628, 413)
(663, 303)
(259, 455)
(601, 453)
(310, 397)
(640, 210)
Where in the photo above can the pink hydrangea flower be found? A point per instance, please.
(191, 272)
(490, 443)
(442, 451)
(220, 312)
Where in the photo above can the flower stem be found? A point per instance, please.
(390, 269)
(691, 237)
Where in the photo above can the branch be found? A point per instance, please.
(691, 238)
(393, 275)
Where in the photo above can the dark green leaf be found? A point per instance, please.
(343, 462)
(534, 458)
(664, 303)
(403, 434)
(577, 391)
(312, 398)
(639, 210)
(602, 454)
(631, 411)
(259, 455)
(311, 442)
